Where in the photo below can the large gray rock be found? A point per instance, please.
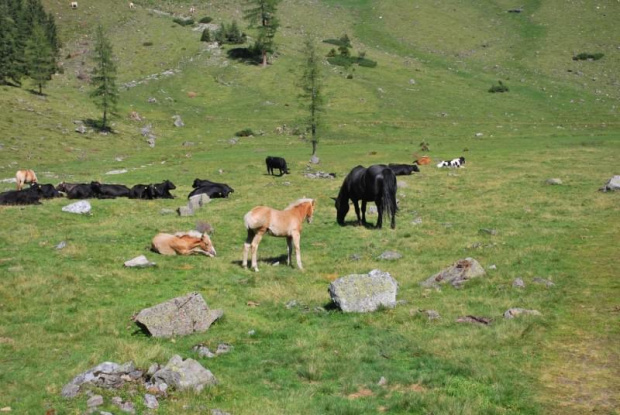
(185, 211)
(612, 185)
(185, 374)
(457, 274)
(178, 317)
(83, 206)
(139, 262)
(197, 201)
(105, 375)
(361, 293)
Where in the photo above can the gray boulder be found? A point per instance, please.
(185, 374)
(457, 274)
(105, 375)
(139, 262)
(198, 201)
(554, 182)
(515, 312)
(185, 211)
(612, 185)
(178, 122)
(178, 317)
(83, 206)
(361, 293)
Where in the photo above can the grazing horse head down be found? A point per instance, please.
(25, 176)
(377, 184)
(287, 222)
(183, 243)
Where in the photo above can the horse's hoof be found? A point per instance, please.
(255, 269)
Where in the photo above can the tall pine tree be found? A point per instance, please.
(8, 46)
(105, 94)
(39, 58)
(312, 86)
(263, 13)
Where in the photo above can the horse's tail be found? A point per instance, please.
(389, 194)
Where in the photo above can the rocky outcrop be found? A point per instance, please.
(457, 274)
(361, 293)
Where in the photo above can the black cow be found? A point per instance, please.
(214, 191)
(80, 191)
(66, 187)
(48, 191)
(403, 169)
(162, 190)
(29, 196)
(142, 191)
(201, 183)
(276, 163)
(109, 191)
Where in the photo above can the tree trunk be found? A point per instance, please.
(264, 58)
(314, 143)
(105, 117)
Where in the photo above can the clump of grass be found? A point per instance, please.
(246, 132)
(588, 56)
(147, 44)
(183, 22)
(498, 88)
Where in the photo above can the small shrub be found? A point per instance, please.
(230, 34)
(183, 22)
(350, 76)
(331, 53)
(339, 61)
(206, 36)
(588, 56)
(246, 132)
(206, 19)
(499, 88)
(366, 63)
(147, 44)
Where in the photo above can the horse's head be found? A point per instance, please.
(206, 245)
(342, 208)
(310, 212)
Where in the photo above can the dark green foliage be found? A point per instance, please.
(8, 47)
(263, 13)
(147, 44)
(183, 22)
(206, 36)
(246, 132)
(331, 53)
(347, 61)
(345, 46)
(425, 146)
(105, 94)
(205, 19)
(588, 56)
(336, 42)
(499, 88)
(39, 58)
(229, 34)
(366, 63)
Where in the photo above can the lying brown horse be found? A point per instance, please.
(287, 222)
(25, 176)
(183, 243)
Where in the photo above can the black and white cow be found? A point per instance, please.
(403, 169)
(276, 163)
(459, 162)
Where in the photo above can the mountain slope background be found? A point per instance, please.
(67, 310)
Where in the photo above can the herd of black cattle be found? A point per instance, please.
(36, 192)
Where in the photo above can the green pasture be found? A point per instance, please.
(64, 311)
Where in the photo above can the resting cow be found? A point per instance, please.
(79, 191)
(212, 189)
(162, 190)
(109, 191)
(403, 169)
(24, 176)
(142, 191)
(48, 191)
(29, 196)
(183, 243)
(459, 162)
(276, 163)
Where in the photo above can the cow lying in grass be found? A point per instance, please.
(459, 162)
(403, 169)
(183, 243)
(29, 196)
(212, 189)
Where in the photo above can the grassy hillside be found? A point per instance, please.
(64, 311)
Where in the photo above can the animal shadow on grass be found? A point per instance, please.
(355, 223)
(268, 261)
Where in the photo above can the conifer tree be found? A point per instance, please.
(39, 58)
(8, 46)
(105, 94)
(312, 86)
(263, 12)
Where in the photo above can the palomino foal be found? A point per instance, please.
(287, 222)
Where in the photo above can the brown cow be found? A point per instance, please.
(25, 176)
(183, 243)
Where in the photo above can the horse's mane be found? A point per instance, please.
(299, 202)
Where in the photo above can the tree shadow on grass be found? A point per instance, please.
(97, 125)
(245, 55)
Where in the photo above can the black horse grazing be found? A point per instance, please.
(276, 163)
(376, 183)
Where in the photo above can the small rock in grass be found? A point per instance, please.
(81, 207)
(515, 312)
(95, 400)
(390, 256)
(542, 281)
(150, 401)
(139, 262)
(382, 382)
(554, 182)
(432, 314)
(518, 283)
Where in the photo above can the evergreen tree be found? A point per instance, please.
(51, 33)
(21, 34)
(39, 58)
(312, 85)
(8, 46)
(263, 12)
(105, 94)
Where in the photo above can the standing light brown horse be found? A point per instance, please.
(24, 176)
(287, 222)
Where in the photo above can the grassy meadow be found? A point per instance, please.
(64, 311)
